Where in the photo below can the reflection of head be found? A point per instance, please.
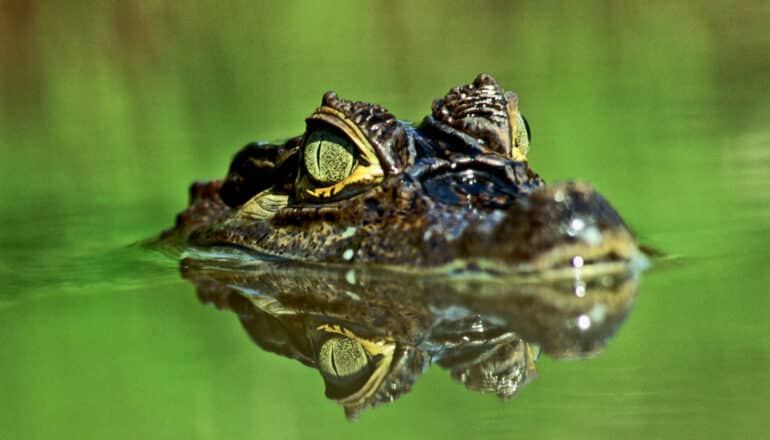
(370, 347)
(502, 368)
(361, 373)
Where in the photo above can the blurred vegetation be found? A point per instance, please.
(108, 110)
(108, 99)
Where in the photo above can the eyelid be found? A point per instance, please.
(361, 175)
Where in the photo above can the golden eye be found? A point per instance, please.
(338, 160)
(342, 357)
(328, 157)
(523, 135)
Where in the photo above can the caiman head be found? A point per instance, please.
(455, 193)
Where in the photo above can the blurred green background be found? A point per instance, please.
(109, 110)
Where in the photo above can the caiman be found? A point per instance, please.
(454, 193)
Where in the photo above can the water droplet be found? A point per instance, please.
(350, 277)
(583, 322)
(478, 325)
(348, 232)
(575, 226)
(577, 262)
(580, 288)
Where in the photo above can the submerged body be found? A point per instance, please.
(455, 192)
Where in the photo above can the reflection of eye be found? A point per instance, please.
(328, 157)
(342, 357)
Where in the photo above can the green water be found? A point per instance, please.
(109, 111)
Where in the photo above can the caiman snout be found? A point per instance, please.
(561, 226)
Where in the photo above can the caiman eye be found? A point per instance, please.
(338, 159)
(328, 157)
(342, 357)
(335, 166)
(523, 135)
(526, 126)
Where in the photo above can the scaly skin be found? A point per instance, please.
(454, 192)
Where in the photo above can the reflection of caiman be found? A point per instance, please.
(371, 334)
(454, 193)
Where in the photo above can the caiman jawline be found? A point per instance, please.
(617, 253)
